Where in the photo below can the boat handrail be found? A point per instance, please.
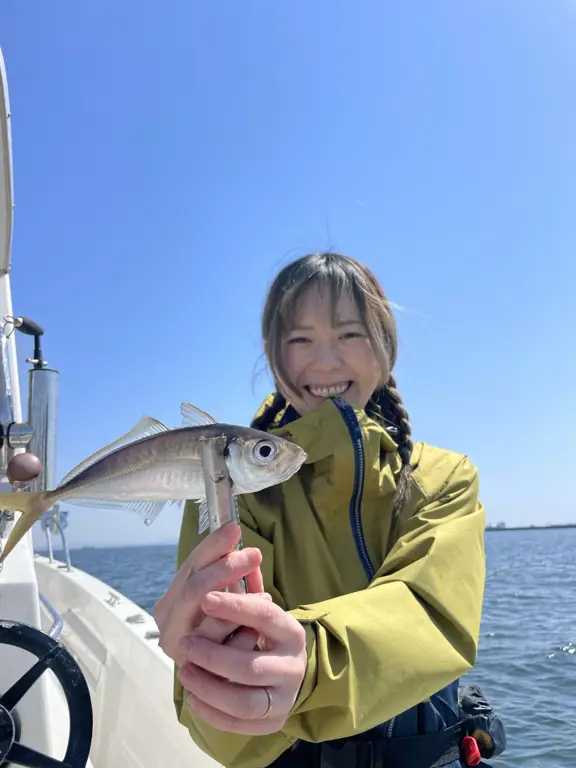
(55, 521)
(57, 621)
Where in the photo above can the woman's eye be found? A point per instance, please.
(298, 340)
(353, 335)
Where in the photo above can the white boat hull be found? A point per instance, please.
(129, 676)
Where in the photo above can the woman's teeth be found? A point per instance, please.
(331, 391)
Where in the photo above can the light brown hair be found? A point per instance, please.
(338, 274)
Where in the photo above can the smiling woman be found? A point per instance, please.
(335, 307)
(329, 352)
(335, 312)
(365, 569)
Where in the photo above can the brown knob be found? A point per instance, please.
(23, 469)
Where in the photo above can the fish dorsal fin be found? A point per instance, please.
(145, 427)
(194, 417)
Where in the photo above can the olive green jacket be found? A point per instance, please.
(374, 649)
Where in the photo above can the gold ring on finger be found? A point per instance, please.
(269, 707)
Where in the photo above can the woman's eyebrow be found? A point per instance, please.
(337, 324)
(340, 323)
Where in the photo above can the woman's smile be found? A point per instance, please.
(328, 353)
(328, 390)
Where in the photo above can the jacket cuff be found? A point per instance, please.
(310, 676)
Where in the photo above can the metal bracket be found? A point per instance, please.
(137, 618)
(113, 599)
(222, 507)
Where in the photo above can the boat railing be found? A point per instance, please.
(57, 621)
(55, 521)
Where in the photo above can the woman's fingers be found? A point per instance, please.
(182, 613)
(264, 616)
(215, 630)
(241, 638)
(241, 701)
(227, 680)
(245, 667)
(255, 582)
(239, 666)
(218, 630)
(211, 548)
(230, 724)
(229, 568)
(245, 639)
(178, 612)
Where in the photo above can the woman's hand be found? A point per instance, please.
(214, 565)
(236, 689)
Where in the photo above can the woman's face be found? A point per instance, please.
(325, 357)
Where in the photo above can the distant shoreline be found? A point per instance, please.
(531, 527)
(129, 545)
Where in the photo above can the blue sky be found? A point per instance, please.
(169, 157)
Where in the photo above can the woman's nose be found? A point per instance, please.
(327, 357)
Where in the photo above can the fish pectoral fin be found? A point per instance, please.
(194, 417)
(204, 516)
(149, 510)
(145, 427)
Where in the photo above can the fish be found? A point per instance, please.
(153, 466)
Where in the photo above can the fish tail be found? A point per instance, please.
(32, 506)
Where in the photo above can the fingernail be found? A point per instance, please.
(186, 674)
(212, 600)
(226, 526)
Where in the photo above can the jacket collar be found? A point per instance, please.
(323, 433)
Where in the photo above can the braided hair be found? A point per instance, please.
(387, 407)
(266, 418)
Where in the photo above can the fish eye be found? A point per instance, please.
(264, 451)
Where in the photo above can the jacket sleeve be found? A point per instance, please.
(376, 653)
(415, 628)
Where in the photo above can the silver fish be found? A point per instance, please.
(152, 466)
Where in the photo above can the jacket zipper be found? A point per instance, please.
(355, 431)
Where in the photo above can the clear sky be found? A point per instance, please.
(169, 157)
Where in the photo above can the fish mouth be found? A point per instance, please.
(328, 390)
(294, 468)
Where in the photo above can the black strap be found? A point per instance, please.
(448, 758)
(427, 750)
(431, 750)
